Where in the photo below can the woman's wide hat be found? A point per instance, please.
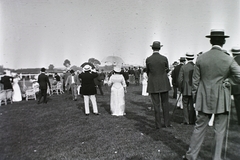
(235, 51)
(156, 44)
(117, 69)
(217, 33)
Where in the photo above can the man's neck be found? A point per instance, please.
(217, 46)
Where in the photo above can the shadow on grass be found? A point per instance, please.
(106, 106)
(147, 127)
(135, 158)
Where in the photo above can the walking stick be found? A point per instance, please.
(175, 106)
(228, 124)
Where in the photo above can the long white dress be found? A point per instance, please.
(17, 95)
(144, 84)
(117, 101)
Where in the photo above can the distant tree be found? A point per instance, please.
(50, 67)
(94, 61)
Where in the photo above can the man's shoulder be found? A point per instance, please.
(156, 57)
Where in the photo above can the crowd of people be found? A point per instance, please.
(202, 89)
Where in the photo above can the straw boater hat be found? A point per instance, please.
(156, 44)
(87, 67)
(189, 56)
(217, 33)
(117, 69)
(235, 51)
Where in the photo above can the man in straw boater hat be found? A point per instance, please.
(211, 93)
(185, 87)
(158, 84)
(236, 88)
(88, 88)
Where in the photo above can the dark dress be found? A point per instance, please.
(88, 86)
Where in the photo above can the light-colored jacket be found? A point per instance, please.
(210, 72)
(69, 80)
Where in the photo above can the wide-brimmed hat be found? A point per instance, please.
(182, 59)
(117, 69)
(189, 56)
(156, 44)
(217, 33)
(87, 67)
(235, 51)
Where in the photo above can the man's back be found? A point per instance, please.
(6, 81)
(236, 88)
(185, 79)
(43, 81)
(175, 74)
(211, 69)
(157, 66)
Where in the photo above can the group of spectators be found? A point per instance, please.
(205, 88)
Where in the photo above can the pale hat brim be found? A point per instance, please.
(117, 69)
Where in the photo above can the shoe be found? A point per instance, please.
(75, 99)
(96, 113)
(184, 157)
(87, 114)
(184, 123)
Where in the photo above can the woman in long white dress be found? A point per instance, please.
(17, 95)
(144, 82)
(118, 89)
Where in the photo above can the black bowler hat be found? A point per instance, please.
(156, 44)
(71, 71)
(182, 59)
(43, 69)
(217, 33)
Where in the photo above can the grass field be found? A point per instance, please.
(59, 130)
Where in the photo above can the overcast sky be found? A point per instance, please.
(36, 33)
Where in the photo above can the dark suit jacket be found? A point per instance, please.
(157, 68)
(236, 88)
(175, 74)
(7, 82)
(185, 79)
(43, 81)
(88, 86)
